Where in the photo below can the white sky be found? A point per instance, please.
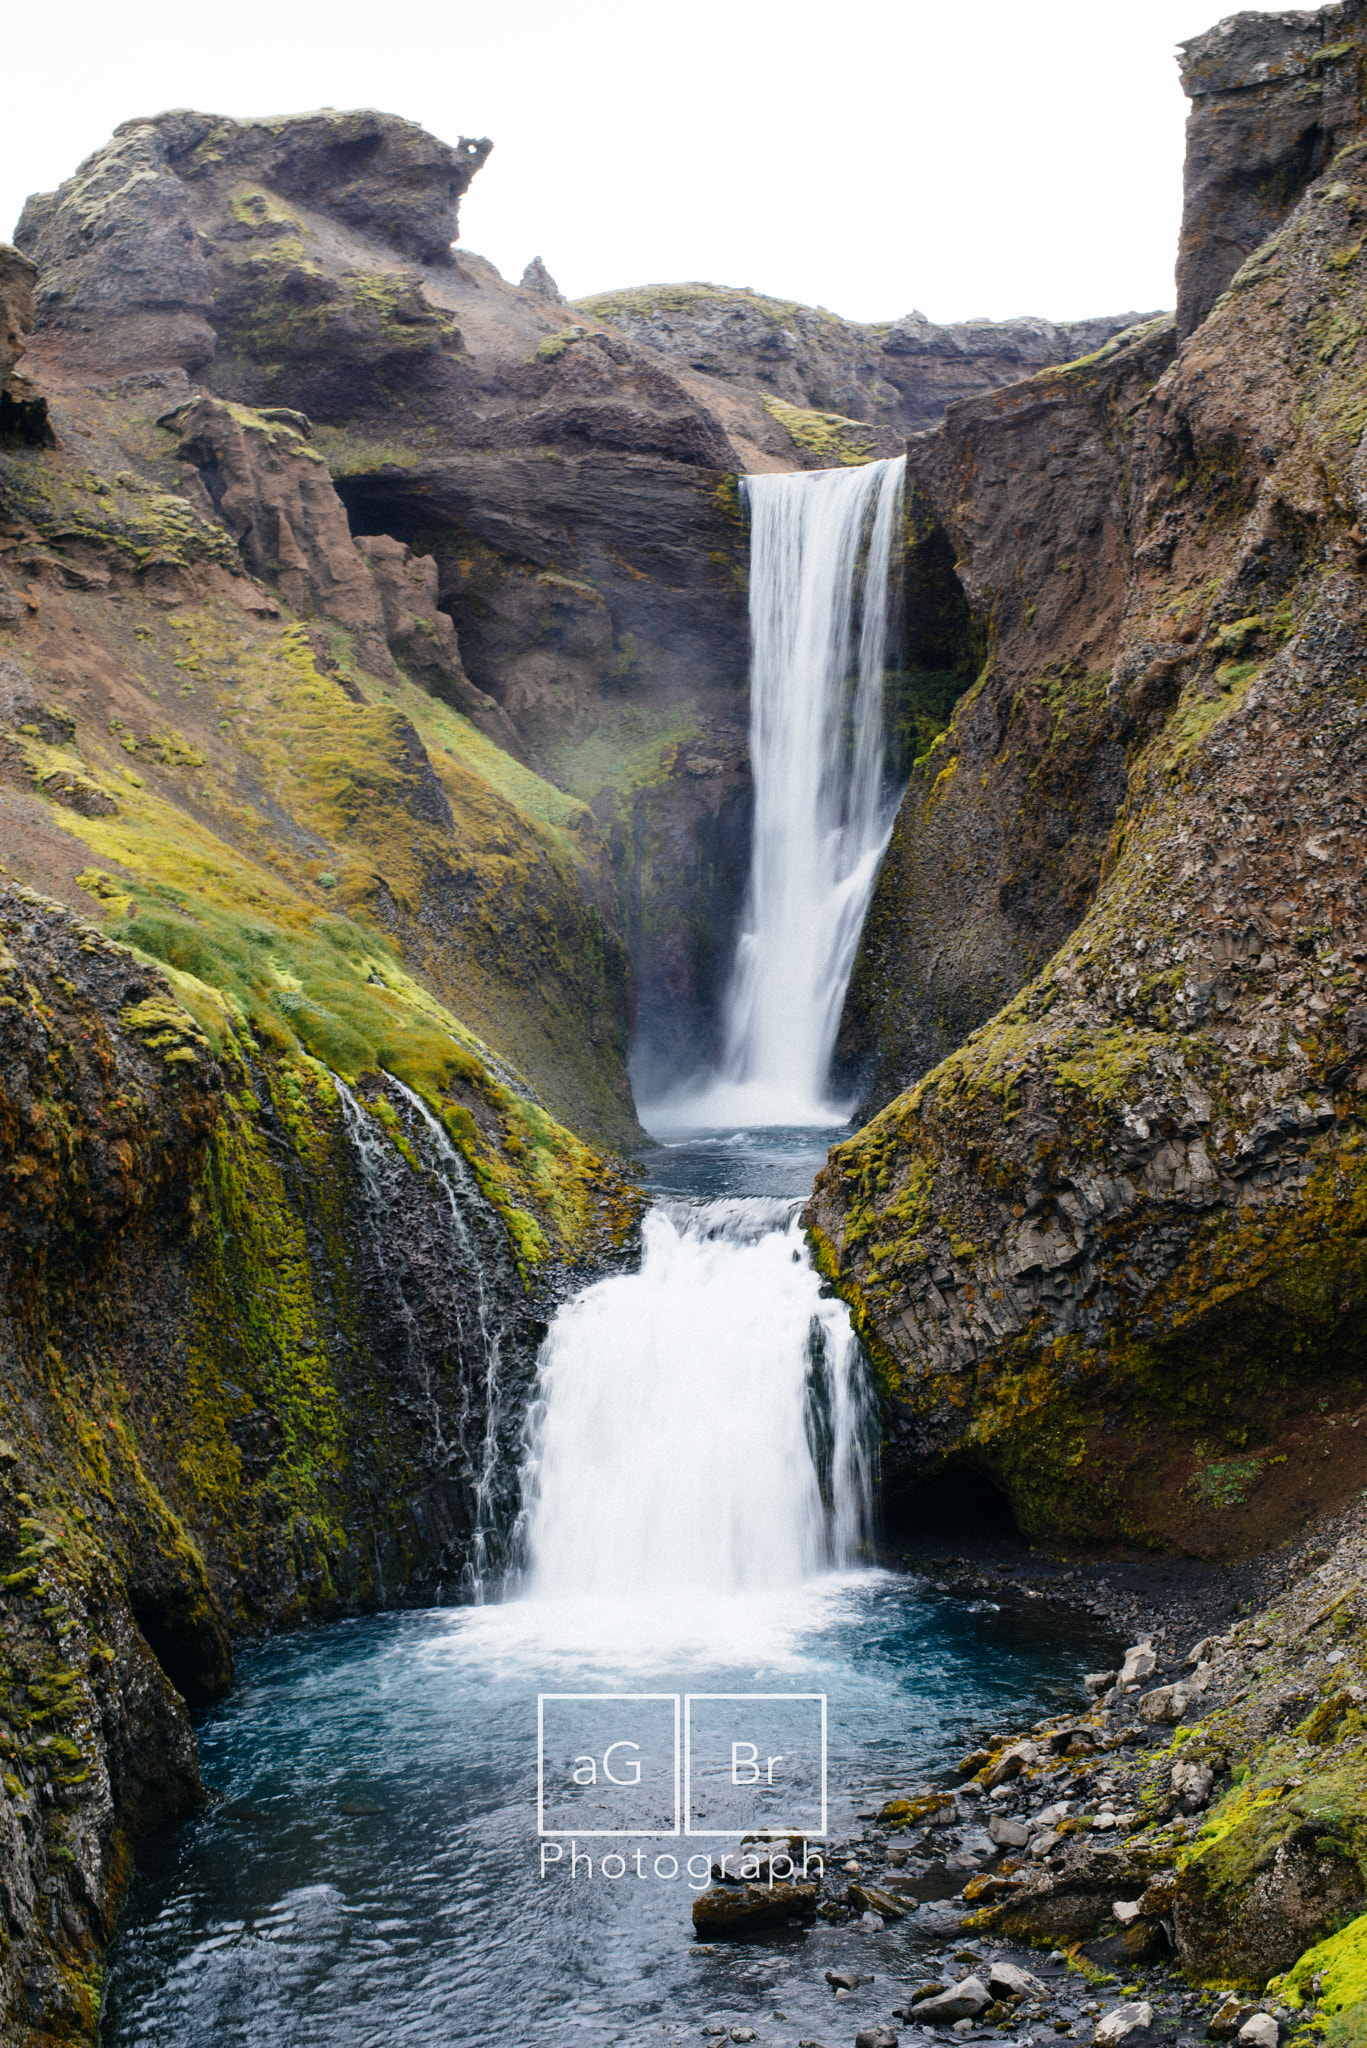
(1009, 156)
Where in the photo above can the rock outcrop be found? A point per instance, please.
(576, 499)
(804, 363)
(1129, 1211)
(999, 841)
(1274, 98)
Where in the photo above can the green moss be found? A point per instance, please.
(828, 435)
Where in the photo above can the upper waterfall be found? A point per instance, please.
(821, 546)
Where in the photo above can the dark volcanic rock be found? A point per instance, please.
(898, 376)
(1274, 97)
(1146, 1172)
(999, 840)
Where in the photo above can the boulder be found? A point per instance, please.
(1261, 2031)
(1006, 1833)
(726, 1910)
(1192, 1785)
(1165, 1705)
(963, 2001)
(1139, 1662)
(1008, 1980)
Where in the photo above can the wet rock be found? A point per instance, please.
(872, 1898)
(963, 2001)
(726, 1910)
(882, 2037)
(847, 1980)
(920, 1810)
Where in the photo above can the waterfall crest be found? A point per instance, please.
(821, 545)
(701, 1423)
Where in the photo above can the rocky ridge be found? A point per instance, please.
(819, 378)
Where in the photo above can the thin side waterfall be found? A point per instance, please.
(701, 1424)
(820, 552)
(432, 1272)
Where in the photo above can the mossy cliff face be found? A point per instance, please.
(1116, 1239)
(189, 752)
(248, 1325)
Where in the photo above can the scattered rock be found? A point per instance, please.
(1007, 1980)
(1124, 2020)
(1165, 1705)
(1261, 2031)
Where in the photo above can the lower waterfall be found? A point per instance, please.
(700, 1424)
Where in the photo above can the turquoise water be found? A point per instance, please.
(369, 1869)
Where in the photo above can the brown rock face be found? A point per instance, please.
(998, 844)
(1274, 97)
(1130, 1209)
(257, 474)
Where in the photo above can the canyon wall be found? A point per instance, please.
(1110, 1240)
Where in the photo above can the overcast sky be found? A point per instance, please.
(1012, 156)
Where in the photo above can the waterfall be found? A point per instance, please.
(821, 545)
(699, 1424)
(433, 1256)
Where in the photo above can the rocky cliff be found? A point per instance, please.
(800, 383)
(265, 1342)
(1109, 1251)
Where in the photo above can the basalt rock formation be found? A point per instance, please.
(1113, 1245)
(800, 382)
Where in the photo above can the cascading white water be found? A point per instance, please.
(700, 1424)
(821, 545)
